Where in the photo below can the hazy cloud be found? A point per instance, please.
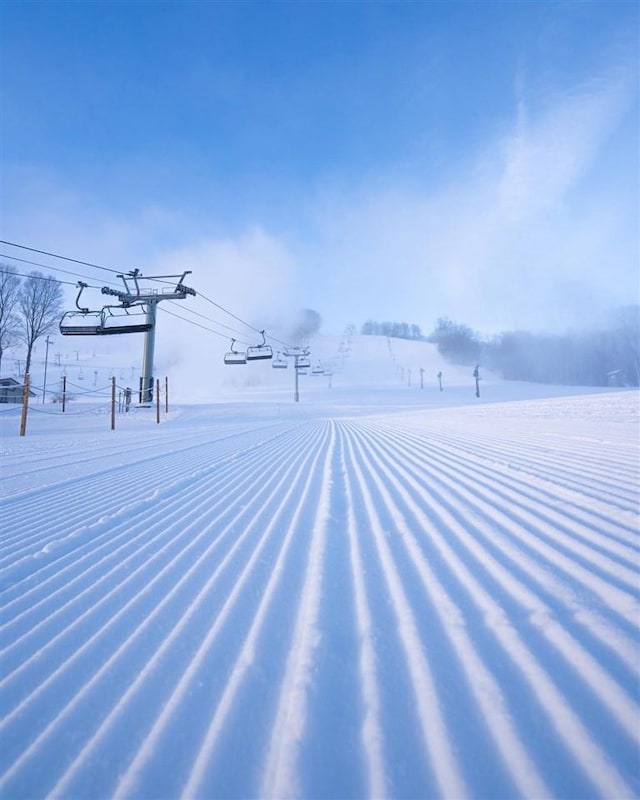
(539, 233)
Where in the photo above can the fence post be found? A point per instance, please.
(158, 400)
(64, 392)
(25, 405)
(113, 403)
(166, 395)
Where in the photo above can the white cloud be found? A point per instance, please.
(251, 276)
(540, 233)
(545, 157)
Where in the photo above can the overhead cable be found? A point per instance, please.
(204, 327)
(63, 258)
(44, 266)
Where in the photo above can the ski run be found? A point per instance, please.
(264, 600)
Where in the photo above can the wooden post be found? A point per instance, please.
(113, 403)
(166, 395)
(64, 392)
(158, 400)
(25, 405)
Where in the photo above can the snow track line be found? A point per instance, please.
(90, 607)
(114, 511)
(621, 705)
(476, 491)
(438, 745)
(579, 474)
(454, 493)
(599, 520)
(127, 782)
(507, 476)
(116, 450)
(536, 454)
(560, 716)
(483, 686)
(109, 541)
(111, 483)
(434, 603)
(49, 730)
(280, 777)
(372, 730)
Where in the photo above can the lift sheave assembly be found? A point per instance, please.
(136, 313)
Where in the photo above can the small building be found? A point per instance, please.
(616, 378)
(11, 391)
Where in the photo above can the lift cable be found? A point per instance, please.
(198, 325)
(239, 319)
(44, 266)
(72, 260)
(89, 286)
(226, 311)
(63, 258)
(40, 278)
(119, 273)
(209, 319)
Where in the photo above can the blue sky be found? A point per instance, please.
(396, 160)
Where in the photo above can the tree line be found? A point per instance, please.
(397, 330)
(30, 307)
(608, 355)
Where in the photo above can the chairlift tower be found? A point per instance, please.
(301, 361)
(135, 296)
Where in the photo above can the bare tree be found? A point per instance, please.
(41, 306)
(9, 320)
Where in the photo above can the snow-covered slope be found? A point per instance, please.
(356, 596)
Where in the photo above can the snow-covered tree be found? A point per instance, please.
(9, 320)
(40, 301)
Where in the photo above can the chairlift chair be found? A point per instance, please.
(317, 370)
(259, 351)
(81, 323)
(235, 356)
(303, 363)
(126, 319)
(279, 362)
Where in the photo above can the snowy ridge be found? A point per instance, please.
(434, 603)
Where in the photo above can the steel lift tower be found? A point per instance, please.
(133, 295)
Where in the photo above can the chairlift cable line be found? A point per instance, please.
(243, 321)
(279, 341)
(39, 277)
(231, 314)
(204, 328)
(119, 273)
(63, 258)
(208, 319)
(239, 319)
(44, 266)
